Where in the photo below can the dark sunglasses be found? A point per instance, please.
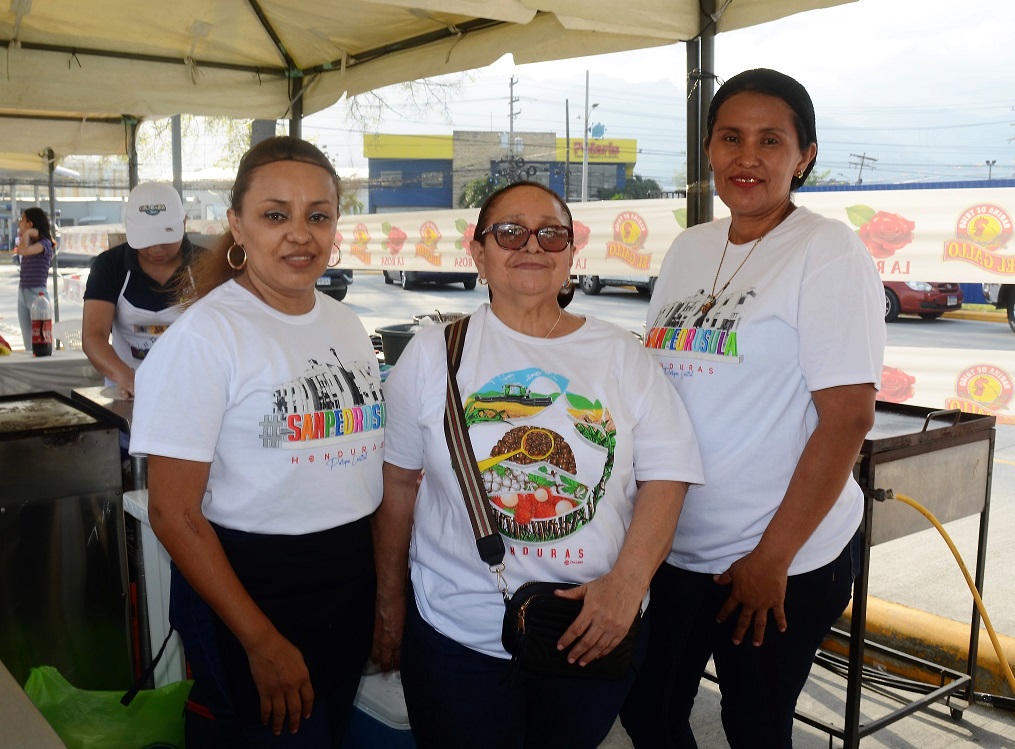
(515, 236)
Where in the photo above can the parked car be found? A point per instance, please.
(595, 284)
(409, 279)
(928, 300)
(335, 282)
(1002, 296)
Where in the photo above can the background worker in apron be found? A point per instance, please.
(128, 303)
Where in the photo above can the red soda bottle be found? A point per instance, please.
(42, 326)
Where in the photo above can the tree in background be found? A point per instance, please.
(408, 101)
(228, 138)
(816, 178)
(637, 188)
(478, 191)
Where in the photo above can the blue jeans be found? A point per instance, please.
(457, 697)
(25, 298)
(759, 685)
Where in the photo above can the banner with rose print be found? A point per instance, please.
(973, 381)
(961, 234)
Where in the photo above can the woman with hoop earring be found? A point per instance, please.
(262, 417)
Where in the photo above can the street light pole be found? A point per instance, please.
(990, 167)
(585, 144)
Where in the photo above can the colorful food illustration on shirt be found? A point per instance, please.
(531, 470)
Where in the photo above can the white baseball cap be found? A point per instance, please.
(154, 215)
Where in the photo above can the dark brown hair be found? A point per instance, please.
(484, 213)
(210, 268)
(781, 86)
(38, 219)
(564, 296)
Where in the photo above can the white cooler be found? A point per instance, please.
(172, 667)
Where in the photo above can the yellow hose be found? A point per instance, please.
(969, 581)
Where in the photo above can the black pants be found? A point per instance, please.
(759, 685)
(318, 590)
(458, 698)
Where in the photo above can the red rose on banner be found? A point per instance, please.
(581, 235)
(896, 385)
(885, 233)
(468, 233)
(396, 238)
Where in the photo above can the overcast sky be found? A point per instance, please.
(924, 89)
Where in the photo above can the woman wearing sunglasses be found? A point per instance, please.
(585, 467)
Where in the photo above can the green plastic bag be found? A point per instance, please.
(96, 720)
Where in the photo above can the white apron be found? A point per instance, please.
(135, 330)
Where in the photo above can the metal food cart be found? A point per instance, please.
(942, 459)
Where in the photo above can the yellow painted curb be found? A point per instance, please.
(933, 638)
(983, 316)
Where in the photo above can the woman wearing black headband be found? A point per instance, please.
(774, 320)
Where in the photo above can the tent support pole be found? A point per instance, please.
(51, 163)
(131, 124)
(700, 87)
(176, 126)
(296, 119)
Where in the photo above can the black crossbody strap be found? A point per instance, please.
(488, 539)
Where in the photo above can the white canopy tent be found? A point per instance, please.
(77, 77)
(25, 136)
(275, 59)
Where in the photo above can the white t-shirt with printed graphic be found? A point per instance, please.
(594, 414)
(804, 313)
(286, 408)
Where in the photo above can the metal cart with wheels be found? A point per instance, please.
(943, 459)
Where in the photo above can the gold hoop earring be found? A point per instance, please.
(332, 265)
(482, 280)
(229, 257)
(567, 285)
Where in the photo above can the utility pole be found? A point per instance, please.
(585, 146)
(567, 153)
(512, 100)
(861, 161)
(990, 168)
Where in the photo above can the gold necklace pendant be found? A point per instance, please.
(710, 300)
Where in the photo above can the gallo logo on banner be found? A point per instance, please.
(426, 247)
(629, 234)
(983, 389)
(981, 233)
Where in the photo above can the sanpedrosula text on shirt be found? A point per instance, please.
(692, 328)
(334, 405)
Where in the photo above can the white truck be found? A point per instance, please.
(1002, 296)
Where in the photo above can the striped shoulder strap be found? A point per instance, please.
(463, 459)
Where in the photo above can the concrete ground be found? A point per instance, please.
(933, 728)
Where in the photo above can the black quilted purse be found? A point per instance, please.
(534, 618)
